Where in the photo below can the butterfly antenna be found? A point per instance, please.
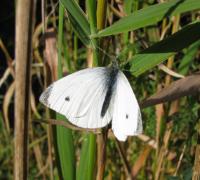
(102, 50)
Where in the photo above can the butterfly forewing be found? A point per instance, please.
(80, 97)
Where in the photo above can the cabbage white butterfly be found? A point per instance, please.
(93, 97)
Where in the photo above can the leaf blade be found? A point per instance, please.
(78, 20)
(150, 15)
(160, 51)
(64, 138)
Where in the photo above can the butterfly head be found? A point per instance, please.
(115, 64)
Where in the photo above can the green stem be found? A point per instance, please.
(91, 9)
(92, 156)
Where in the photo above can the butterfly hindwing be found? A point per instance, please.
(126, 112)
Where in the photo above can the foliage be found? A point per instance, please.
(143, 34)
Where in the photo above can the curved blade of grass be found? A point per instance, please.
(149, 16)
(64, 139)
(78, 20)
(160, 51)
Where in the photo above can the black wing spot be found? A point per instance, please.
(126, 116)
(67, 98)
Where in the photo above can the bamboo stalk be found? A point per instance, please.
(196, 172)
(101, 138)
(101, 154)
(24, 26)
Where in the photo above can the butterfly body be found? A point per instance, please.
(110, 87)
(92, 97)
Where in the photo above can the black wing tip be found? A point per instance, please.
(44, 98)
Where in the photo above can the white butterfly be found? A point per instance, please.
(92, 97)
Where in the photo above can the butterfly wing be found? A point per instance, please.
(126, 118)
(80, 97)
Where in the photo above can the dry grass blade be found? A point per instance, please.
(7, 55)
(163, 151)
(33, 106)
(183, 87)
(5, 76)
(148, 140)
(37, 153)
(159, 116)
(140, 162)
(169, 71)
(50, 72)
(6, 102)
(196, 172)
(51, 54)
(117, 12)
(124, 160)
(68, 125)
(180, 160)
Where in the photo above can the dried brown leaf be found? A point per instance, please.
(184, 87)
(51, 54)
(140, 162)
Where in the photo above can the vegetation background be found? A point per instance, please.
(157, 44)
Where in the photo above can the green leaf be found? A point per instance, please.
(86, 169)
(64, 139)
(78, 20)
(149, 16)
(66, 151)
(82, 168)
(160, 51)
(128, 7)
(188, 58)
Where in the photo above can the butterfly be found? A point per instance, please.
(94, 97)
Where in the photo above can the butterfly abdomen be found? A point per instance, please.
(110, 85)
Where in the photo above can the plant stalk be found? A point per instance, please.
(24, 27)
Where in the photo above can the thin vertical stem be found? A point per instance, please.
(92, 155)
(60, 37)
(101, 138)
(101, 14)
(101, 152)
(196, 172)
(91, 9)
(170, 61)
(24, 26)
